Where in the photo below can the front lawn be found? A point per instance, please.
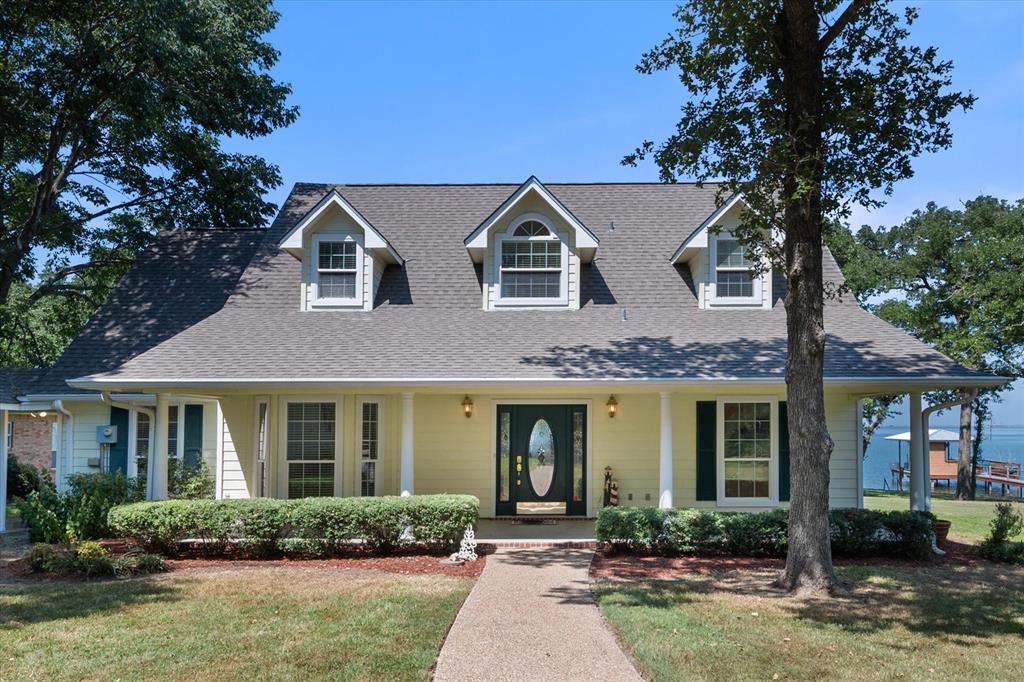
(970, 517)
(228, 624)
(929, 622)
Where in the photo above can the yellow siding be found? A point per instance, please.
(237, 446)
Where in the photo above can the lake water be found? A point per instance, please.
(1004, 443)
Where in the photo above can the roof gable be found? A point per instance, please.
(373, 239)
(586, 240)
(698, 239)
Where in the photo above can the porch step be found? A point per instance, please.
(551, 544)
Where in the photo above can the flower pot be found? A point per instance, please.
(942, 530)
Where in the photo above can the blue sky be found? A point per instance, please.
(464, 92)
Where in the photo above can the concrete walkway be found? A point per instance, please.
(531, 616)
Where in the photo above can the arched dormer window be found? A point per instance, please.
(531, 263)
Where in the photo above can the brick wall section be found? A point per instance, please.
(32, 439)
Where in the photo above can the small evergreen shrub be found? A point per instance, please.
(41, 557)
(89, 499)
(316, 526)
(189, 482)
(89, 559)
(23, 479)
(1001, 544)
(138, 563)
(43, 513)
(854, 532)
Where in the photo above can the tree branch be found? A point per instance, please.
(53, 284)
(844, 19)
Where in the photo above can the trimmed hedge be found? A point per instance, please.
(854, 532)
(318, 526)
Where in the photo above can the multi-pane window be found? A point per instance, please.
(262, 483)
(369, 449)
(336, 269)
(172, 431)
(142, 425)
(747, 449)
(310, 449)
(531, 268)
(733, 270)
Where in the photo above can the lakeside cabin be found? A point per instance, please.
(942, 465)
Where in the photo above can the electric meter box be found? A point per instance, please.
(106, 434)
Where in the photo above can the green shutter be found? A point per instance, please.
(783, 453)
(118, 455)
(193, 435)
(707, 466)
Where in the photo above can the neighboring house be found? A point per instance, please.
(511, 342)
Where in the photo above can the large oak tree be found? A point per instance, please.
(805, 107)
(113, 117)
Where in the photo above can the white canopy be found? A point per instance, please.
(934, 435)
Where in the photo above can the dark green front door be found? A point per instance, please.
(541, 453)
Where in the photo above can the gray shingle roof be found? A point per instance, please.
(428, 320)
(183, 278)
(14, 379)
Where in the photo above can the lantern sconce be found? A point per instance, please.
(613, 406)
(467, 406)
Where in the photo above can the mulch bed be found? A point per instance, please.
(617, 565)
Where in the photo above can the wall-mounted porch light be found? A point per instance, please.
(467, 406)
(613, 406)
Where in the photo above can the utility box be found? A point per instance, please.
(106, 434)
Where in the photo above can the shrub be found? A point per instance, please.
(138, 563)
(23, 479)
(314, 525)
(854, 532)
(43, 513)
(1005, 526)
(41, 557)
(89, 499)
(189, 482)
(90, 559)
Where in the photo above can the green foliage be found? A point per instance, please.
(90, 559)
(88, 500)
(853, 532)
(23, 479)
(318, 526)
(43, 513)
(40, 557)
(1001, 544)
(138, 563)
(189, 483)
(115, 117)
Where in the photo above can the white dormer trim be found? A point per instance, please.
(757, 298)
(316, 299)
(586, 241)
(698, 239)
(372, 238)
(562, 300)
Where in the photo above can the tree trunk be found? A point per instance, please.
(809, 560)
(964, 458)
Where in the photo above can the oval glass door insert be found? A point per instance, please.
(541, 457)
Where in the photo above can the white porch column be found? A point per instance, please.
(156, 471)
(3, 470)
(407, 450)
(665, 460)
(918, 482)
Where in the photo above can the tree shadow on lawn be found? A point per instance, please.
(27, 603)
(959, 605)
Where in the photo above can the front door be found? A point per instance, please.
(541, 460)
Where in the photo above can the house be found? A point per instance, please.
(512, 342)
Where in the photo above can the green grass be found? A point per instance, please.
(281, 623)
(970, 518)
(934, 622)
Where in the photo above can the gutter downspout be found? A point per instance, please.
(67, 429)
(927, 475)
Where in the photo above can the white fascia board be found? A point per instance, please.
(372, 238)
(897, 384)
(476, 242)
(698, 239)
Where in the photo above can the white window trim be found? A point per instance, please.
(316, 301)
(282, 439)
(268, 474)
(562, 300)
(358, 478)
(756, 299)
(773, 464)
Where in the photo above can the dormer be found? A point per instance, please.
(722, 268)
(531, 249)
(343, 256)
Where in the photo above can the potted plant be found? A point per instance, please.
(942, 530)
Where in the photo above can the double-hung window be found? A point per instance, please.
(310, 449)
(747, 451)
(531, 265)
(337, 271)
(734, 275)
